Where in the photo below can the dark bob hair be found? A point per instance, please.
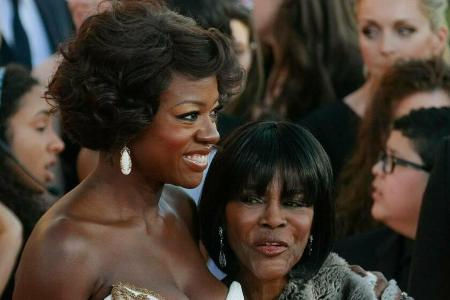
(251, 156)
(113, 72)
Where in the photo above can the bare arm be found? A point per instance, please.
(57, 263)
(10, 243)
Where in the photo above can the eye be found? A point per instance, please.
(405, 31)
(295, 201)
(190, 116)
(251, 199)
(370, 31)
(215, 113)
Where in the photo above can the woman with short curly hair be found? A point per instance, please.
(142, 85)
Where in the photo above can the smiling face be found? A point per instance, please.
(174, 148)
(402, 31)
(397, 197)
(268, 233)
(32, 137)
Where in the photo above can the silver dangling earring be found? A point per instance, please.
(222, 258)
(310, 242)
(125, 161)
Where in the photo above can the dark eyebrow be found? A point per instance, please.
(196, 102)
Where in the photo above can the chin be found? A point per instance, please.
(270, 272)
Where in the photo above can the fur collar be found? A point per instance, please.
(333, 281)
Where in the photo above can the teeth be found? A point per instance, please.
(198, 159)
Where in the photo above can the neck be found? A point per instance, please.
(133, 192)
(360, 99)
(257, 289)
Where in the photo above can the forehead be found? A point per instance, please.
(31, 103)
(182, 88)
(436, 98)
(376, 10)
(401, 145)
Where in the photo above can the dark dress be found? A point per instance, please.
(335, 126)
(380, 250)
(430, 270)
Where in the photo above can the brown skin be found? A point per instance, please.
(115, 228)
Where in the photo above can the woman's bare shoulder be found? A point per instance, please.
(61, 247)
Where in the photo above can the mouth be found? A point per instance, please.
(198, 162)
(376, 194)
(271, 248)
(49, 174)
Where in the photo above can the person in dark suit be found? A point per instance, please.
(26, 20)
(401, 176)
(430, 269)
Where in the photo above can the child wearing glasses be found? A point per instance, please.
(400, 178)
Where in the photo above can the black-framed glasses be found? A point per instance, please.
(388, 163)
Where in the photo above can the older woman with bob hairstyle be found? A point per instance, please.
(267, 217)
(142, 85)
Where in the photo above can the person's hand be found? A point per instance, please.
(384, 290)
(375, 279)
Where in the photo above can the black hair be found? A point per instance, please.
(252, 155)
(17, 81)
(207, 13)
(108, 84)
(425, 128)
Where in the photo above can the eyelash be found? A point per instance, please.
(369, 31)
(193, 115)
(405, 31)
(256, 200)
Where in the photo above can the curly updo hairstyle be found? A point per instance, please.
(108, 85)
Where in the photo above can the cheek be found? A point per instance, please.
(368, 51)
(401, 199)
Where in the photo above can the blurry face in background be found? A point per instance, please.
(241, 42)
(391, 30)
(32, 137)
(397, 197)
(264, 15)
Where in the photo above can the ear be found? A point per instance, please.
(440, 41)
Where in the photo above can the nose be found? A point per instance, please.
(387, 45)
(377, 168)
(56, 144)
(273, 216)
(208, 133)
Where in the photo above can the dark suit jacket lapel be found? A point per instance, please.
(56, 19)
(6, 54)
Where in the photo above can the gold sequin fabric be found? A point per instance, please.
(127, 291)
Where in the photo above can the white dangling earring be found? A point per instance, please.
(125, 161)
(310, 245)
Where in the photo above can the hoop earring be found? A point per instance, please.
(222, 258)
(125, 161)
(310, 245)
